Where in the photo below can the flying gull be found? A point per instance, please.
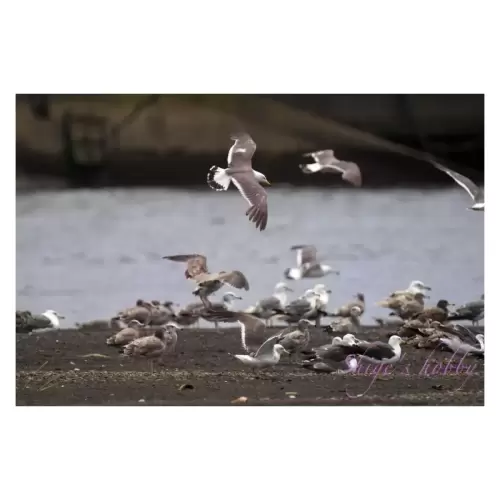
(325, 161)
(267, 308)
(307, 264)
(242, 175)
(472, 311)
(208, 283)
(475, 192)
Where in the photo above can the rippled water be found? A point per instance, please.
(89, 253)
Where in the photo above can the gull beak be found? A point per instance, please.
(288, 289)
(266, 182)
(238, 297)
(328, 291)
(427, 288)
(60, 317)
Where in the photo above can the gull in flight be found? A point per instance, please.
(325, 161)
(244, 177)
(307, 264)
(475, 192)
(208, 283)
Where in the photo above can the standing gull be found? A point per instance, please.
(475, 192)
(244, 177)
(473, 311)
(295, 339)
(307, 264)
(325, 161)
(306, 307)
(381, 353)
(208, 283)
(227, 305)
(356, 306)
(267, 308)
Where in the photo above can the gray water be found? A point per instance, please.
(89, 253)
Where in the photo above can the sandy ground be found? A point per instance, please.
(76, 367)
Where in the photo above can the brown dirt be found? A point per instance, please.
(74, 367)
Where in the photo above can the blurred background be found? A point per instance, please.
(107, 184)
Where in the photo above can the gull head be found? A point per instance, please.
(418, 286)
(321, 289)
(350, 339)
(230, 296)
(175, 325)
(395, 340)
(53, 317)
(261, 178)
(282, 287)
(279, 349)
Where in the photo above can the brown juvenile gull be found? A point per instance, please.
(307, 264)
(190, 314)
(161, 313)
(349, 324)
(475, 192)
(325, 161)
(244, 177)
(141, 312)
(127, 334)
(208, 283)
(347, 309)
(295, 339)
(405, 306)
(153, 346)
(437, 313)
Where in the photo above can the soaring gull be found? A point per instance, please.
(244, 177)
(325, 161)
(208, 283)
(307, 264)
(475, 192)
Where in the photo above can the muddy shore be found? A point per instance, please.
(76, 367)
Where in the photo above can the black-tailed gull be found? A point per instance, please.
(244, 177)
(325, 161)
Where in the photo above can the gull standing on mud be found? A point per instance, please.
(208, 283)
(127, 334)
(307, 264)
(325, 161)
(267, 308)
(380, 353)
(247, 180)
(475, 192)
(472, 311)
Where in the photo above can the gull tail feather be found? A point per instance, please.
(217, 179)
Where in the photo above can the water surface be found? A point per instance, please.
(89, 253)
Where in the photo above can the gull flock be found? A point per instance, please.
(149, 329)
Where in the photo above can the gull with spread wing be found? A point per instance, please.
(325, 161)
(208, 283)
(247, 180)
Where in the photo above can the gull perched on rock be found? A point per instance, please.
(475, 192)
(247, 180)
(267, 308)
(307, 264)
(325, 161)
(208, 283)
